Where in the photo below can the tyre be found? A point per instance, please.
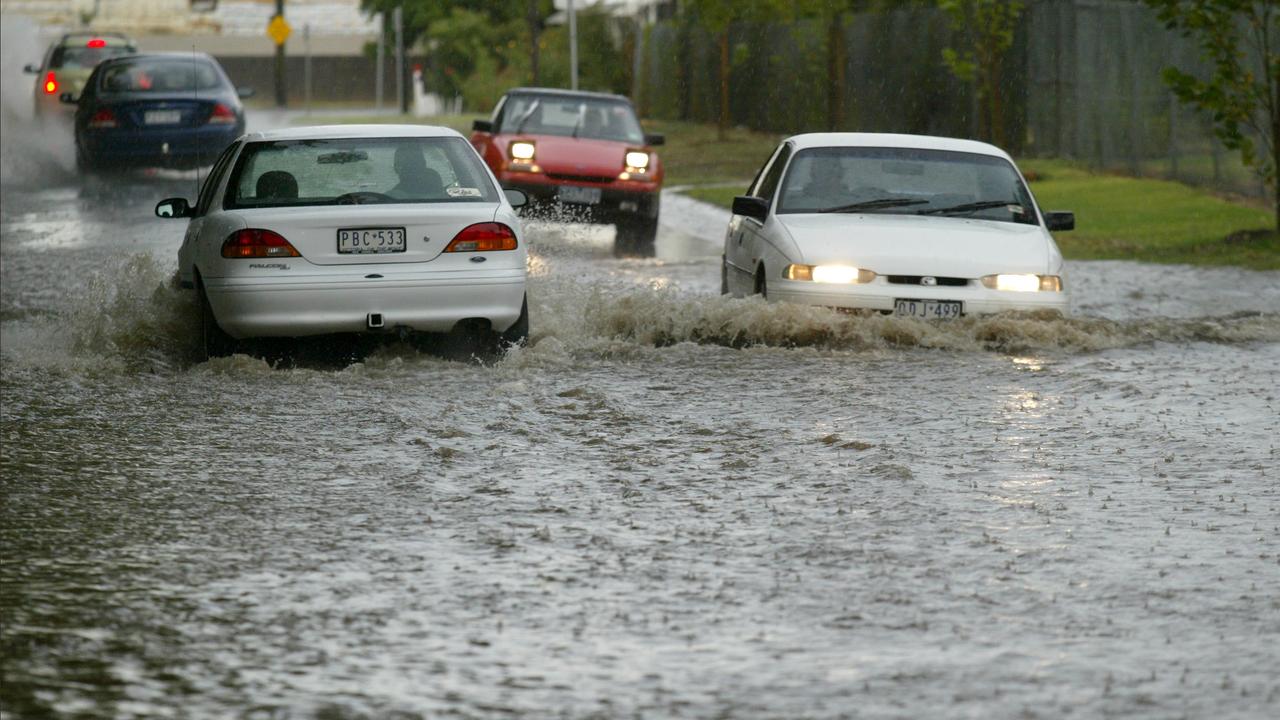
(724, 276)
(762, 287)
(636, 237)
(213, 341)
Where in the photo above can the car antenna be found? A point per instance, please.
(195, 91)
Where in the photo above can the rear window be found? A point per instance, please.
(72, 56)
(360, 171)
(160, 75)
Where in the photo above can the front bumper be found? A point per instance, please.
(257, 307)
(880, 295)
(620, 200)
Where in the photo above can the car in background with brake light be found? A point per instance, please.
(582, 153)
(365, 229)
(67, 65)
(156, 110)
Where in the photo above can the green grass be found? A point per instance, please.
(1123, 218)
(694, 154)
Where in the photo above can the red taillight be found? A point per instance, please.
(222, 115)
(50, 84)
(483, 237)
(104, 118)
(96, 43)
(253, 243)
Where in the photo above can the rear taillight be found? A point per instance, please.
(50, 84)
(104, 118)
(96, 43)
(483, 237)
(222, 115)
(254, 243)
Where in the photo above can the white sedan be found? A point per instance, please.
(920, 226)
(353, 229)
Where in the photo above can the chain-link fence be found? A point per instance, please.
(1082, 80)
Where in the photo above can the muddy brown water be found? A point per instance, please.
(670, 504)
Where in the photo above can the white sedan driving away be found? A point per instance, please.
(919, 226)
(353, 229)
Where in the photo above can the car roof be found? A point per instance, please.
(894, 140)
(177, 55)
(110, 37)
(567, 93)
(342, 132)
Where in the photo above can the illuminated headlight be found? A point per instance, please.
(637, 161)
(522, 151)
(1023, 283)
(837, 274)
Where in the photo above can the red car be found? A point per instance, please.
(584, 152)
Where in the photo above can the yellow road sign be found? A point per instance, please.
(278, 29)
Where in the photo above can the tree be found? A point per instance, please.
(717, 16)
(1240, 39)
(986, 30)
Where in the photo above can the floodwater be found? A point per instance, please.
(669, 504)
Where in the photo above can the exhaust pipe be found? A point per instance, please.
(374, 321)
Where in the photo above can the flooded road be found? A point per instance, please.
(670, 504)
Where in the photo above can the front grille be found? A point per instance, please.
(579, 178)
(915, 280)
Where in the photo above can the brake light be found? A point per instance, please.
(104, 118)
(96, 43)
(483, 237)
(50, 84)
(222, 115)
(254, 243)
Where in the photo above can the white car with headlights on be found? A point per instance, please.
(353, 229)
(918, 226)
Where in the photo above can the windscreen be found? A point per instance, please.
(905, 181)
(159, 75)
(72, 56)
(358, 171)
(595, 118)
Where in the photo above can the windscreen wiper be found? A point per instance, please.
(582, 114)
(970, 207)
(525, 117)
(874, 205)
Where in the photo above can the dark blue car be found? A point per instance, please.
(174, 110)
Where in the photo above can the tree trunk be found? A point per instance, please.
(1275, 156)
(723, 128)
(835, 71)
(534, 21)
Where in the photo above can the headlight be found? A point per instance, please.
(637, 161)
(839, 274)
(1023, 283)
(522, 150)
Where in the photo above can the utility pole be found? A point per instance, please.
(573, 47)
(380, 70)
(402, 98)
(282, 96)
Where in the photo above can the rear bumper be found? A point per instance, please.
(315, 305)
(620, 201)
(881, 296)
(180, 147)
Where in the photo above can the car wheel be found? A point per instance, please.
(636, 237)
(762, 288)
(84, 163)
(724, 276)
(213, 341)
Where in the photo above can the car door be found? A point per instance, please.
(199, 225)
(745, 239)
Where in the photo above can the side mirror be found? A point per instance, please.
(517, 198)
(245, 92)
(31, 69)
(68, 98)
(173, 208)
(750, 206)
(484, 126)
(1060, 220)
(655, 139)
